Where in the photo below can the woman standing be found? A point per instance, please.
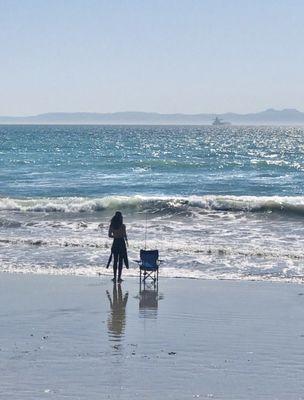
(117, 231)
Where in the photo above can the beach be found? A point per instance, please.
(60, 339)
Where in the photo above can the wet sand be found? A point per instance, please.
(85, 338)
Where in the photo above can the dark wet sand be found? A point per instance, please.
(82, 338)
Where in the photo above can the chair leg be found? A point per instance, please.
(144, 275)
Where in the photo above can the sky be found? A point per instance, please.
(165, 56)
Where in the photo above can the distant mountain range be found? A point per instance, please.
(288, 116)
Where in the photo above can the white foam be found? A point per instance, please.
(94, 271)
(203, 243)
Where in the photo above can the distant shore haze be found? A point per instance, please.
(287, 116)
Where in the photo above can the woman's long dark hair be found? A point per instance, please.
(117, 220)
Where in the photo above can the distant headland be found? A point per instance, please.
(287, 116)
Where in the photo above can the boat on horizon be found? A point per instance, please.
(218, 122)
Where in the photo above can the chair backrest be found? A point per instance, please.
(149, 257)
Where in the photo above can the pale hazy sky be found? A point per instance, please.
(158, 55)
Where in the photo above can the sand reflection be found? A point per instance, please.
(117, 314)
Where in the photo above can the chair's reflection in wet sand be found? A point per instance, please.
(148, 300)
(117, 314)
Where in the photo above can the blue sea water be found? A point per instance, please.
(220, 202)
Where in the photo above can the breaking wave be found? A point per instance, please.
(156, 204)
(200, 249)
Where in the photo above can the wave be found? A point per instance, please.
(54, 243)
(156, 204)
(6, 223)
(168, 248)
(49, 268)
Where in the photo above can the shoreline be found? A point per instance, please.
(79, 337)
(130, 275)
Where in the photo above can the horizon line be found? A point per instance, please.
(150, 112)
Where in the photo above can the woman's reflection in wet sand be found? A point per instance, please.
(117, 314)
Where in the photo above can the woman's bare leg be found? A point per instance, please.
(120, 261)
(115, 266)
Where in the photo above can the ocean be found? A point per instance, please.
(218, 202)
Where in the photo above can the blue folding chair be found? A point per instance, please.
(148, 265)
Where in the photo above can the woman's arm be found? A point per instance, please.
(125, 234)
(110, 233)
